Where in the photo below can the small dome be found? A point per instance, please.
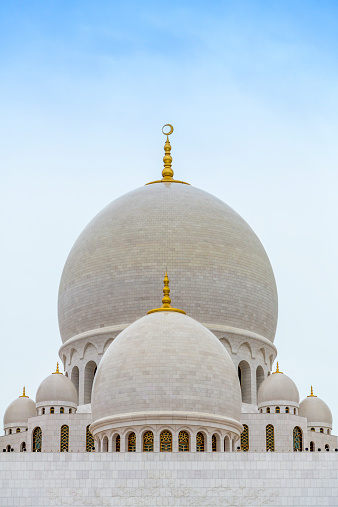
(19, 411)
(56, 388)
(316, 412)
(278, 387)
(166, 364)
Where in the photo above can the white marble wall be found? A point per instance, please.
(166, 479)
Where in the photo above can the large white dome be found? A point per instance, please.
(316, 412)
(219, 270)
(166, 365)
(58, 389)
(278, 387)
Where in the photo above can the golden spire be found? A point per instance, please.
(166, 306)
(57, 369)
(277, 369)
(23, 393)
(167, 172)
(311, 395)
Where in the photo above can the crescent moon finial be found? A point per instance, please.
(171, 129)
(167, 172)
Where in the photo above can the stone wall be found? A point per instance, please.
(166, 479)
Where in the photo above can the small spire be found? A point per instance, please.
(166, 306)
(311, 395)
(23, 393)
(277, 369)
(57, 369)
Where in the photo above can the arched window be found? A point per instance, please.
(75, 378)
(259, 377)
(89, 375)
(183, 441)
(8, 448)
(199, 442)
(270, 437)
(62, 410)
(23, 447)
(245, 438)
(148, 441)
(64, 440)
(10, 431)
(297, 439)
(294, 411)
(277, 410)
(312, 446)
(214, 443)
(327, 447)
(321, 430)
(312, 429)
(89, 440)
(166, 441)
(43, 411)
(227, 443)
(244, 376)
(105, 444)
(268, 410)
(70, 411)
(118, 443)
(37, 440)
(132, 442)
(286, 410)
(51, 410)
(17, 430)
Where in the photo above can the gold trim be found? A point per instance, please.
(24, 393)
(57, 370)
(277, 370)
(166, 181)
(166, 306)
(311, 395)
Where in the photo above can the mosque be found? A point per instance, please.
(192, 374)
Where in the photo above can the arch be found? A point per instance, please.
(327, 447)
(277, 410)
(89, 440)
(37, 439)
(312, 446)
(148, 441)
(245, 350)
(52, 410)
(70, 411)
(10, 431)
(268, 410)
(226, 344)
(62, 410)
(214, 443)
(261, 351)
(118, 443)
(18, 430)
(90, 348)
(287, 410)
(245, 438)
(132, 442)
(166, 441)
(23, 446)
(244, 375)
(8, 448)
(199, 442)
(321, 430)
(297, 439)
(271, 361)
(106, 345)
(270, 437)
(259, 377)
(43, 410)
(227, 443)
(89, 374)
(183, 441)
(105, 444)
(75, 378)
(312, 429)
(64, 439)
(72, 352)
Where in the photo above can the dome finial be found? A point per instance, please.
(23, 393)
(57, 369)
(167, 172)
(166, 306)
(311, 395)
(277, 369)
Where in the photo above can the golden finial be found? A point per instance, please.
(23, 393)
(311, 395)
(166, 306)
(277, 369)
(167, 172)
(57, 370)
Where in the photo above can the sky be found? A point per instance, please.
(251, 88)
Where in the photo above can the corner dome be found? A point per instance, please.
(56, 389)
(184, 229)
(278, 387)
(316, 412)
(19, 411)
(166, 366)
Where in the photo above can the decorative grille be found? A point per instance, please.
(214, 443)
(118, 443)
(132, 442)
(312, 446)
(199, 442)
(37, 440)
(148, 441)
(297, 439)
(89, 440)
(183, 441)
(245, 438)
(64, 438)
(166, 441)
(270, 438)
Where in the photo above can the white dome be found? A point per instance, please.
(19, 411)
(219, 270)
(56, 388)
(166, 364)
(316, 412)
(278, 387)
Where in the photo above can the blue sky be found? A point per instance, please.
(251, 88)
